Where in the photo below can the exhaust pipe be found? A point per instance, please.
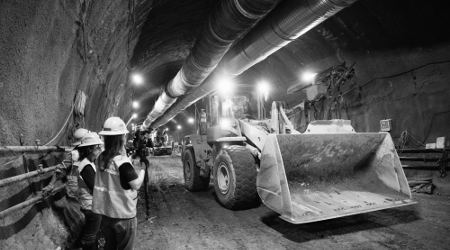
(287, 22)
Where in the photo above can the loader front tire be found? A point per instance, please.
(192, 179)
(235, 178)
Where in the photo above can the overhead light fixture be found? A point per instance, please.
(179, 127)
(308, 76)
(135, 104)
(264, 88)
(191, 120)
(227, 104)
(225, 86)
(137, 78)
(225, 123)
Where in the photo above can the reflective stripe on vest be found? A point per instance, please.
(84, 195)
(110, 199)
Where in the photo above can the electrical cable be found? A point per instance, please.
(407, 136)
(403, 139)
(397, 74)
(428, 131)
(65, 124)
(80, 103)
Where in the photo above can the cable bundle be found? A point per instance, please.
(80, 103)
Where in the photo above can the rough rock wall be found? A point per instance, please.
(44, 231)
(34, 226)
(408, 86)
(50, 50)
(401, 57)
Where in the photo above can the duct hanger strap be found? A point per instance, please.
(216, 36)
(290, 29)
(283, 34)
(175, 87)
(178, 86)
(194, 64)
(342, 3)
(246, 13)
(243, 11)
(163, 102)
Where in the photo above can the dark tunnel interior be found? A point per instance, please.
(68, 64)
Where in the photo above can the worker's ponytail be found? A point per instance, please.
(114, 145)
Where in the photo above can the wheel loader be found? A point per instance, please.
(161, 143)
(328, 171)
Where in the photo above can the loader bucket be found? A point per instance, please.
(313, 177)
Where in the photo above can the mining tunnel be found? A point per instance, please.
(266, 124)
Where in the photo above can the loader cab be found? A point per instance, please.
(223, 125)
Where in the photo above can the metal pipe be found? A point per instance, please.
(290, 20)
(229, 21)
(29, 202)
(287, 23)
(31, 149)
(17, 178)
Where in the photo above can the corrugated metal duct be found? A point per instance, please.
(230, 20)
(290, 20)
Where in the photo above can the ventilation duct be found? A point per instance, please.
(231, 19)
(290, 20)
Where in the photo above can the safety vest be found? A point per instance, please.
(84, 194)
(110, 199)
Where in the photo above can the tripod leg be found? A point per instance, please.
(146, 196)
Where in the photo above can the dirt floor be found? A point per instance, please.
(180, 219)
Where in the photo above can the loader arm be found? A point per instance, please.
(256, 131)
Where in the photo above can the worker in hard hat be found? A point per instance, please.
(72, 180)
(70, 203)
(77, 135)
(84, 171)
(115, 189)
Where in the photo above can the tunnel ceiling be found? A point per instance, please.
(368, 26)
(166, 40)
(51, 50)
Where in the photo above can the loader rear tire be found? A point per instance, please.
(235, 178)
(192, 179)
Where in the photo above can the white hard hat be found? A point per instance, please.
(91, 138)
(78, 134)
(114, 126)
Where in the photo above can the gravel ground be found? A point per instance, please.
(179, 219)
